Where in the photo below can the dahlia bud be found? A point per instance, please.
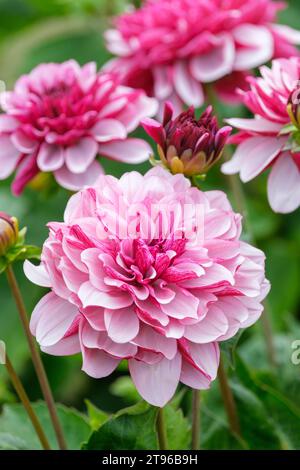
(187, 145)
(293, 107)
(9, 232)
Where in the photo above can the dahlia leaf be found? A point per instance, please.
(130, 429)
(15, 422)
(96, 416)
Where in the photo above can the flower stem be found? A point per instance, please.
(161, 430)
(27, 405)
(196, 420)
(36, 358)
(228, 400)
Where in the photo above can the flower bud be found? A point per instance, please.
(9, 231)
(293, 107)
(187, 145)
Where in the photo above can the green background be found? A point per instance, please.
(33, 31)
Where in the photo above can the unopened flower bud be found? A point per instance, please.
(187, 145)
(9, 231)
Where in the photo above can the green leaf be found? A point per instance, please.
(257, 428)
(96, 416)
(9, 442)
(284, 413)
(124, 388)
(178, 428)
(130, 429)
(15, 422)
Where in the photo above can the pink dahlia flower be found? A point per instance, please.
(186, 144)
(60, 116)
(271, 138)
(134, 276)
(172, 47)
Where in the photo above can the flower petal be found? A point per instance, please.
(122, 325)
(109, 129)
(74, 182)
(284, 185)
(50, 157)
(128, 151)
(156, 383)
(188, 89)
(37, 274)
(9, 156)
(215, 64)
(257, 46)
(51, 319)
(80, 156)
(91, 297)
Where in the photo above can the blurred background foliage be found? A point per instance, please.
(34, 31)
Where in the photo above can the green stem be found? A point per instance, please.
(161, 430)
(26, 403)
(196, 420)
(36, 358)
(228, 400)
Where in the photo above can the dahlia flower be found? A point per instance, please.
(151, 270)
(60, 116)
(188, 145)
(271, 139)
(171, 48)
(9, 231)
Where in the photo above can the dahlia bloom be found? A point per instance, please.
(134, 276)
(271, 139)
(9, 231)
(171, 48)
(186, 144)
(60, 116)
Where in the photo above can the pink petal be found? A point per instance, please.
(75, 182)
(214, 325)
(97, 363)
(193, 377)
(151, 340)
(290, 34)
(284, 185)
(23, 143)
(128, 151)
(9, 156)
(259, 125)
(109, 129)
(51, 319)
(184, 305)
(215, 64)
(37, 274)
(91, 297)
(80, 156)
(65, 347)
(206, 359)
(155, 130)
(50, 157)
(257, 46)
(122, 325)
(162, 82)
(253, 156)
(188, 89)
(8, 123)
(156, 383)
